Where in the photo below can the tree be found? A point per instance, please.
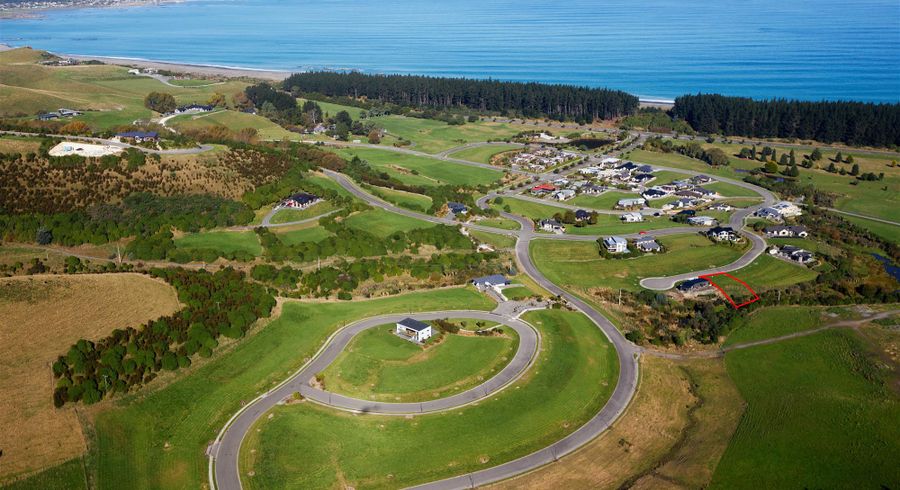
(793, 160)
(793, 171)
(831, 168)
(771, 167)
(343, 117)
(855, 169)
(160, 102)
(75, 127)
(374, 137)
(785, 160)
(216, 100)
(44, 236)
(849, 159)
(816, 155)
(716, 157)
(839, 157)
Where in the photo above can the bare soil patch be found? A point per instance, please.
(42, 316)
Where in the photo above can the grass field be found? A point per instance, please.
(607, 200)
(820, 414)
(289, 215)
(482, 154)
(69, 475)
(774, 321)
(574, 376)
(408, 200)
(379, 365)
(607, 224)
(502, 223)
(494, 239)
(579, 264)
(157, 439)
(302, 233)
(418, 170)
(42, 317)
(112, 96)
(226, 242)
(884, 230)
(431, 136)
(767, 272)
(235, 121)
(383, 223)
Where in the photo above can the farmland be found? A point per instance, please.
(569, 383)
(381, 366)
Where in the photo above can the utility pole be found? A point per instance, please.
(620, 296)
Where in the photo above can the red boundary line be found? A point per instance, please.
(707, 277)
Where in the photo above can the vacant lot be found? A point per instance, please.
(433, 136)
(288, 215)
(383, 223)
(819, 415)
(482, 154)
(408, 200)
(42, 317)
(574, 376)
(379, 365)
(767, 272)
(579, 264)
(235, 121)
(226, 242)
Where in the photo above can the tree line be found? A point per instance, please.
(562, 102)
(216, 304)
(854, 123)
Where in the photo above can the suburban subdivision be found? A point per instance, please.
(332, 279)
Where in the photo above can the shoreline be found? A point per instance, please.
(12, 13)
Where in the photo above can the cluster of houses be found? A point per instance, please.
(62, 113)
(779, 211)
(540, 159)
(619, 245)
(194, 108)
(690, 193)
(629, 174)
(301, 200)
(563, 189)
(782, 231)
(792, 253)
(144, 71)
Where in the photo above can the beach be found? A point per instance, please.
(187, 68)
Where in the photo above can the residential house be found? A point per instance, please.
(48, 116)
(193, 108)
(686, 212)
(457, 208)
(787, 209)
(592, 190)
(563, 194)
(551, 225)
(581, 215)
(721, 206)
(792, 253)
(413, 330)
(646, 169)
(632, 217)
(68, 113)
(615, 244)
(138, 136)
(786, 231)
(723, 234)
(634, 202)
(684, 202)
(542, 189)
(770, 214)
(628, 167)
(654, 193)
(642, 178)
(701, 179)
(486, 282)
(301, 200)
(693, 285)
(701, 221)
(592, 170)
(647, 244)
(610, 161)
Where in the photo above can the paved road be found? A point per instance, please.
(227, 446)
(118, 144)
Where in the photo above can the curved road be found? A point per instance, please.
(118, 144)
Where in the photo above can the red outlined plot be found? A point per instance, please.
(708, 278)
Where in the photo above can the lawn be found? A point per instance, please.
(607, 200)
(483, 154)
(730, 190)
(383, 223)
(69, 475)
(419, 170)
(502, 223)
(494, 239)
(226, 242)
(288, 215)
(235, 121)
(572, 379)
(408, 200)
(883, 230)
(517, 293)
(820, 414)
(157, 439)
(774, 321)
(579, 264)
(42, 317)
(379, 365)
(767, 272)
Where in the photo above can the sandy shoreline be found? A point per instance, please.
(194, 69)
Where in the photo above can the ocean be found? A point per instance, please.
(803, 49)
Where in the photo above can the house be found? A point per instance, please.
(592, 190)
(634, 202)
(684, 202)
(138, 136)
(457, 207)
(563, 194)
(48, 116)
(134, 71)
(701, 220)
(642, 178)
(494, 280)
(786, 231)
(301, 200)
(647, 244)
(561, 182)
(770, 214)
(701, 179)
(543, 189)
(646, 169)
(581, 215)
(653, 193)
(68, 113)
(609, 161)
(704, 192)
(615, 244)
(628, 167)
(787, 209)
(723, 234)
(686, 212)
(551, 225)
(721, 206)
(795, 254)
(632, 217)
(413, 330)
(193, 108)
(693, 285)
(592, 170)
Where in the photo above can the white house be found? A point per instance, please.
(793, 253)
(723, 234)
(413, 330)
(647, 244)
(787, 209)
(786, 231)
(564, 194)
(615, 244)
(632, 217)
(701, 220)
(492, 281)
(551, 225)
(631, 202)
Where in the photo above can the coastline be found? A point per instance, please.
(9, 13)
